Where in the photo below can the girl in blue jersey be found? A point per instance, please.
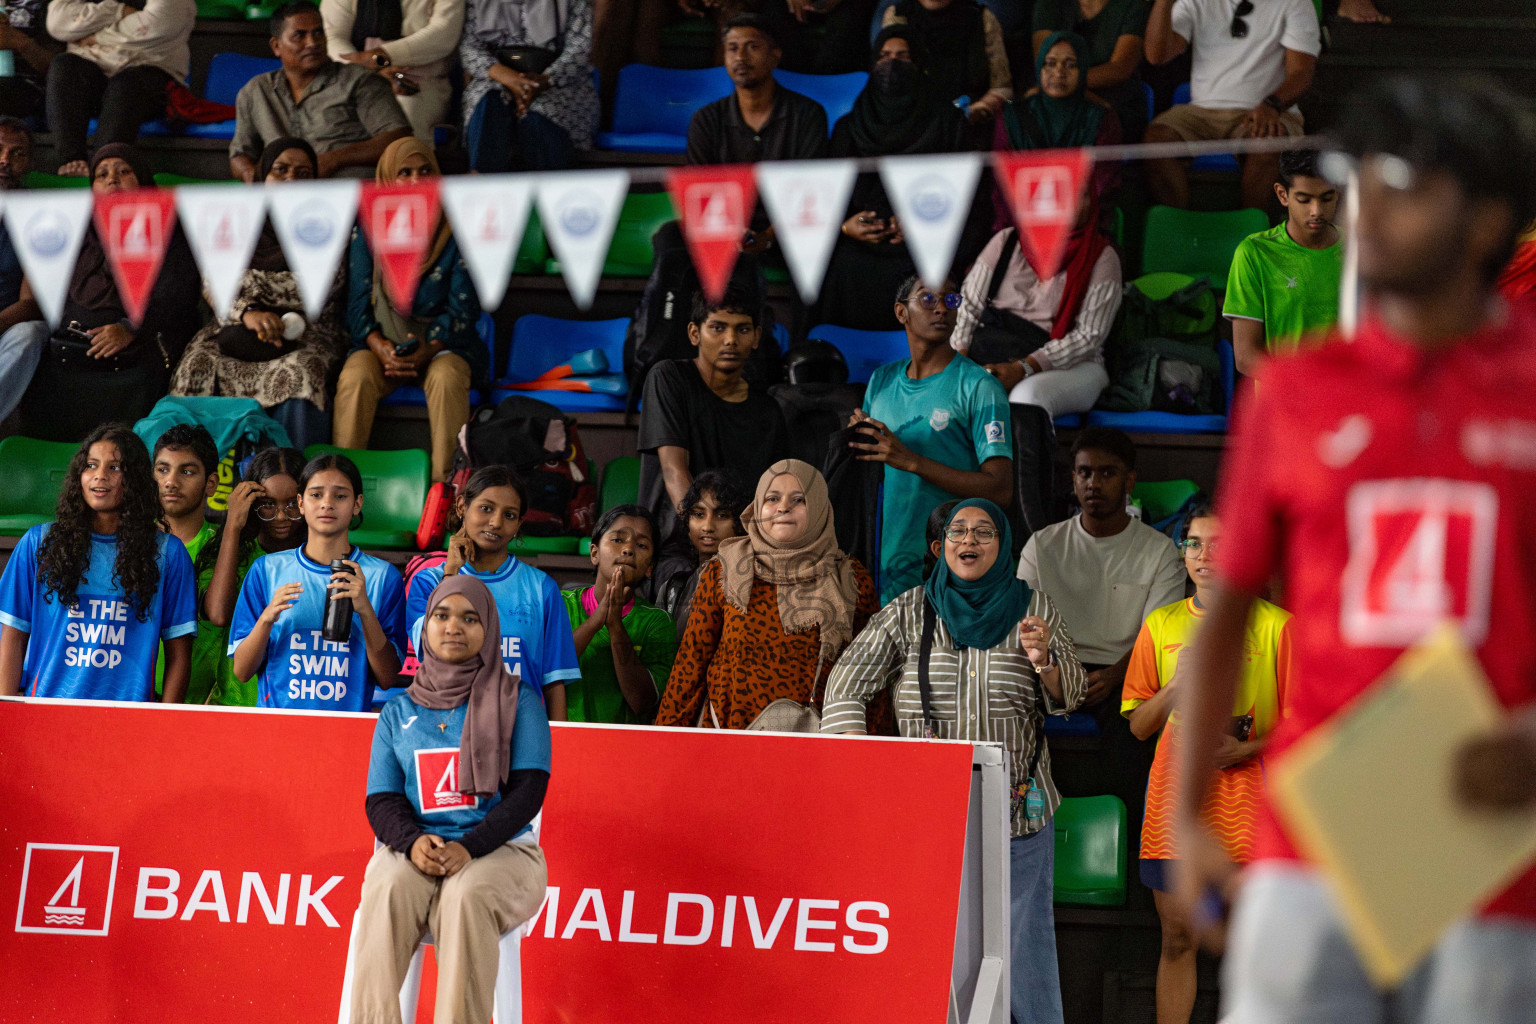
(458, 773)
(278, 617)
(87, 600)
(536, 640)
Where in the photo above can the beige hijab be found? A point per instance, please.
(814, 578)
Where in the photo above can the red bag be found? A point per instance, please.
(414, 566)
(183, 106)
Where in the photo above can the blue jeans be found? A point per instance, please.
(498, 140)
(21, 348)
(305, 422)
(1035, 979)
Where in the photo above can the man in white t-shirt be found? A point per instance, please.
(1252, 60)
(1104, 569)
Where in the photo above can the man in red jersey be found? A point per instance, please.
(1390, 483)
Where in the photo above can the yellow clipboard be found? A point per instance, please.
(1370, 798)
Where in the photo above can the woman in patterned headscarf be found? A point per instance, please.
(773, 612)
(433, 345)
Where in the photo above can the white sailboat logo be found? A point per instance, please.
(72, 913)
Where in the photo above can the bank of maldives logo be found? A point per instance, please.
(67, 890)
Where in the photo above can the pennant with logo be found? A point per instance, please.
(313, 221)
(135, 229)
(579, 210)
(714, 205)
(488, 213)
(398, 221)
(932, 198)
(46, 228)
(1043, 188)
(807, 201)
(222, 225)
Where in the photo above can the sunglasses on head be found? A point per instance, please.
(1239, 26)
(930, 301)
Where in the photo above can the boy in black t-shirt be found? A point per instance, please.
(700, 414)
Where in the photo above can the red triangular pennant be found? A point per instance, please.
(1043, 188)
(399, 221)
(715, 205)
(135, 229)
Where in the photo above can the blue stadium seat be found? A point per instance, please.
(835, 93)
(542, 342)
(227, 72)
(652, 107)
(486, 328)
(1172, 422)
(1215, 161)
(1151, 101)
(864, 350)
(1071, 421)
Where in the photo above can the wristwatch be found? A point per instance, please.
(1273, 101)
(1029, 371)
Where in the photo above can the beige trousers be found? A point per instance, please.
(467, 914)
(363, 384)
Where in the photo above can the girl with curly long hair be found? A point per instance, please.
(277, 628)
(87, 600)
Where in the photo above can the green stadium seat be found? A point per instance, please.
(1160, 499)
(1090, 851)
(621, 482)
(1196, 242)
(630, 253)
(546, 545)
(42, 179)
(33, 472)
(534, 249)
(165, 179)
(394, 489)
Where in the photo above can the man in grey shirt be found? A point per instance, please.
(348, 113)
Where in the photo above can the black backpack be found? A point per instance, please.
(814, 413)
(1162, 355)
(542, 444)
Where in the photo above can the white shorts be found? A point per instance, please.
(1289, 961)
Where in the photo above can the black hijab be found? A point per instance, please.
(899, 111)
(376, 19)
(268, 255)
(92, 288)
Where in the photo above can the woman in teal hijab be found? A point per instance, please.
(975, 654)
(1060, 112)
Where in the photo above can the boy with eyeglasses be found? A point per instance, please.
(1147, 702)
(1251, 62)
(940, 425)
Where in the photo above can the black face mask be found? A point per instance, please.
(894, 77)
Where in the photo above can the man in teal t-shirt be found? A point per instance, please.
(940, 424)
(1284, 282)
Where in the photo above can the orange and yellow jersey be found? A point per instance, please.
(1232, 807)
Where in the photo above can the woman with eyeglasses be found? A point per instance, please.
(975, 654)
(262, 516)
(1231, 810)
(772, 612)
(940, 425)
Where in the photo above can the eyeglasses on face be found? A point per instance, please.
(1239, 26)
(982, 534)
(268, 511)
(1194, 547)
(930, 301)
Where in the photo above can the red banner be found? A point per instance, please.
(1043, 189)
(172, 864)
(135, 229)
(398, 221)
(715, 205)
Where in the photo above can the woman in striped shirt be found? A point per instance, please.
(975, 654)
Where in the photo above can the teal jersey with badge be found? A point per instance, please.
(958, 418)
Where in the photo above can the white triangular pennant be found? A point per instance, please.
(222, 224)
(579, 211)
(313, 220)
(807, 201)
(488, 213)
(932, 197)
(46, 228)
